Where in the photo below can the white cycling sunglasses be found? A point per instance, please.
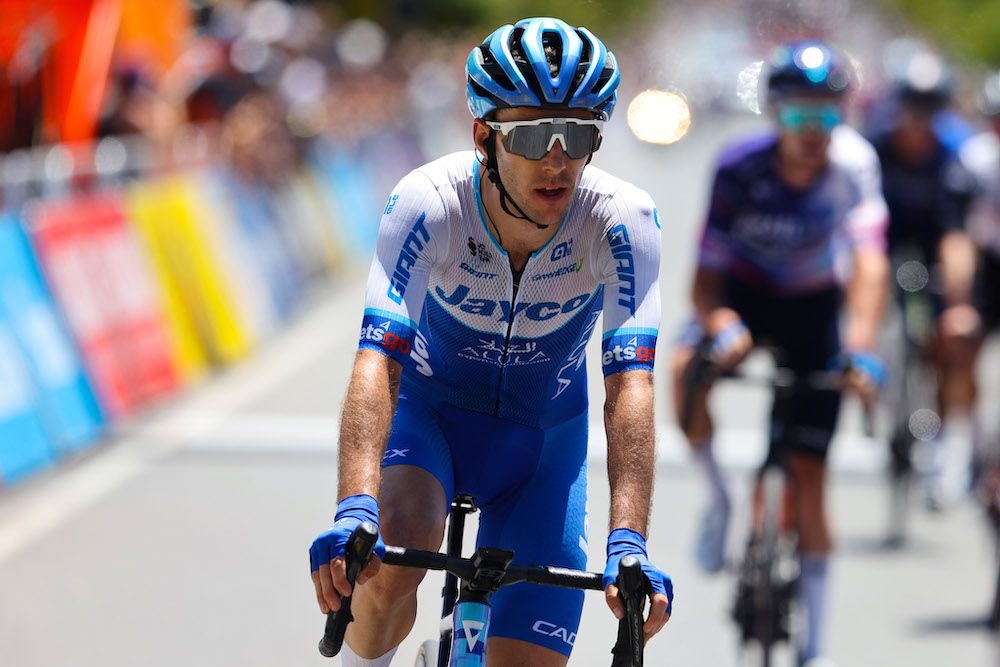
(533, 139)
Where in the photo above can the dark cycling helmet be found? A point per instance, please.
(541, 62)
(924, 81)
(807, 68)
(989, 98)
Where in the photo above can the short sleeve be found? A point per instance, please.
(867, 221)
(629, 257)
(412, 234)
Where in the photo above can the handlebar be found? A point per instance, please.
(628, 649)
(357, 554)
(703, 371)
(463, 568)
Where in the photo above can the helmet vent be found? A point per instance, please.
(606, 74)
(552, 45)
(493, 68)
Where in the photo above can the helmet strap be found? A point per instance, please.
(493, 173)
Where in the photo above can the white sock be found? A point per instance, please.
(815, 570)
(349, 658)
(957, 448)
(705, 458)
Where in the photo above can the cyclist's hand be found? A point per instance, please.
(731, 340)
(864, 373)
(326, 555)
(624, 542)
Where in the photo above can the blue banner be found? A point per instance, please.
(24, 447)
(65, 402)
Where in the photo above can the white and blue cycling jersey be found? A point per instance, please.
(441, 298)
(790, 241)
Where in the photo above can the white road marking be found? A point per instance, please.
(31, 512)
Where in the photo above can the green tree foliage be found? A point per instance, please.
(968, 28)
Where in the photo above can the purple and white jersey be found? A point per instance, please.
(792, 241)
(441, 296)
(981, 155)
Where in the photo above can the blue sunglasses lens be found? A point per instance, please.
(797, 117)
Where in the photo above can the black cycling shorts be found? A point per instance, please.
(986, 292)
(804, 331)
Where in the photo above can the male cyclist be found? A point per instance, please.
(982, 155)
(928, 191)
(783, 207)
(490, 272)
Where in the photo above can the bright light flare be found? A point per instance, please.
(659, 116)
(748, 86)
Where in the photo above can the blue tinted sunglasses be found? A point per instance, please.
(799, 117)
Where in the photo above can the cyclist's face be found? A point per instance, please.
(543, 188)
(804, 126)
(913, 136)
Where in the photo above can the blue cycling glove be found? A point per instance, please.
(352, 511)
(726, 339)
(624, 542)
(867, 364)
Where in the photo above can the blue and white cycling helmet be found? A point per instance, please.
(807, 68)
(541, 62)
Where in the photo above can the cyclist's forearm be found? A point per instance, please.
(957, 257)
(866, 299)
(365, 423)
(628, 420)
(708, 301)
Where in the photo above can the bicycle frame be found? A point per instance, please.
(764, 607)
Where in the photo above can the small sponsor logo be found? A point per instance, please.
(562, 251)
(488, 351)
(478, 274)
(480, 251)
(393, 342)
(632, 351)
(553, 630)
(395, 454)
(390, 204)
(473, 630)
(569, 268)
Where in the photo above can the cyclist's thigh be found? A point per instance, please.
(544, 523)
(503, 651)
(417, 477)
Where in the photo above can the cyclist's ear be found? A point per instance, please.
(480, 136)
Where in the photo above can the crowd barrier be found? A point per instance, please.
(116, 297)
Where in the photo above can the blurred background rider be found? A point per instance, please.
(928, 191)
(783, 207)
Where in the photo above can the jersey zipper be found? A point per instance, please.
(516, 280)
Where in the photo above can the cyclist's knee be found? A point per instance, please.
(392, 587)
(808, 474)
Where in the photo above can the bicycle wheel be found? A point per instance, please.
(427, 654)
